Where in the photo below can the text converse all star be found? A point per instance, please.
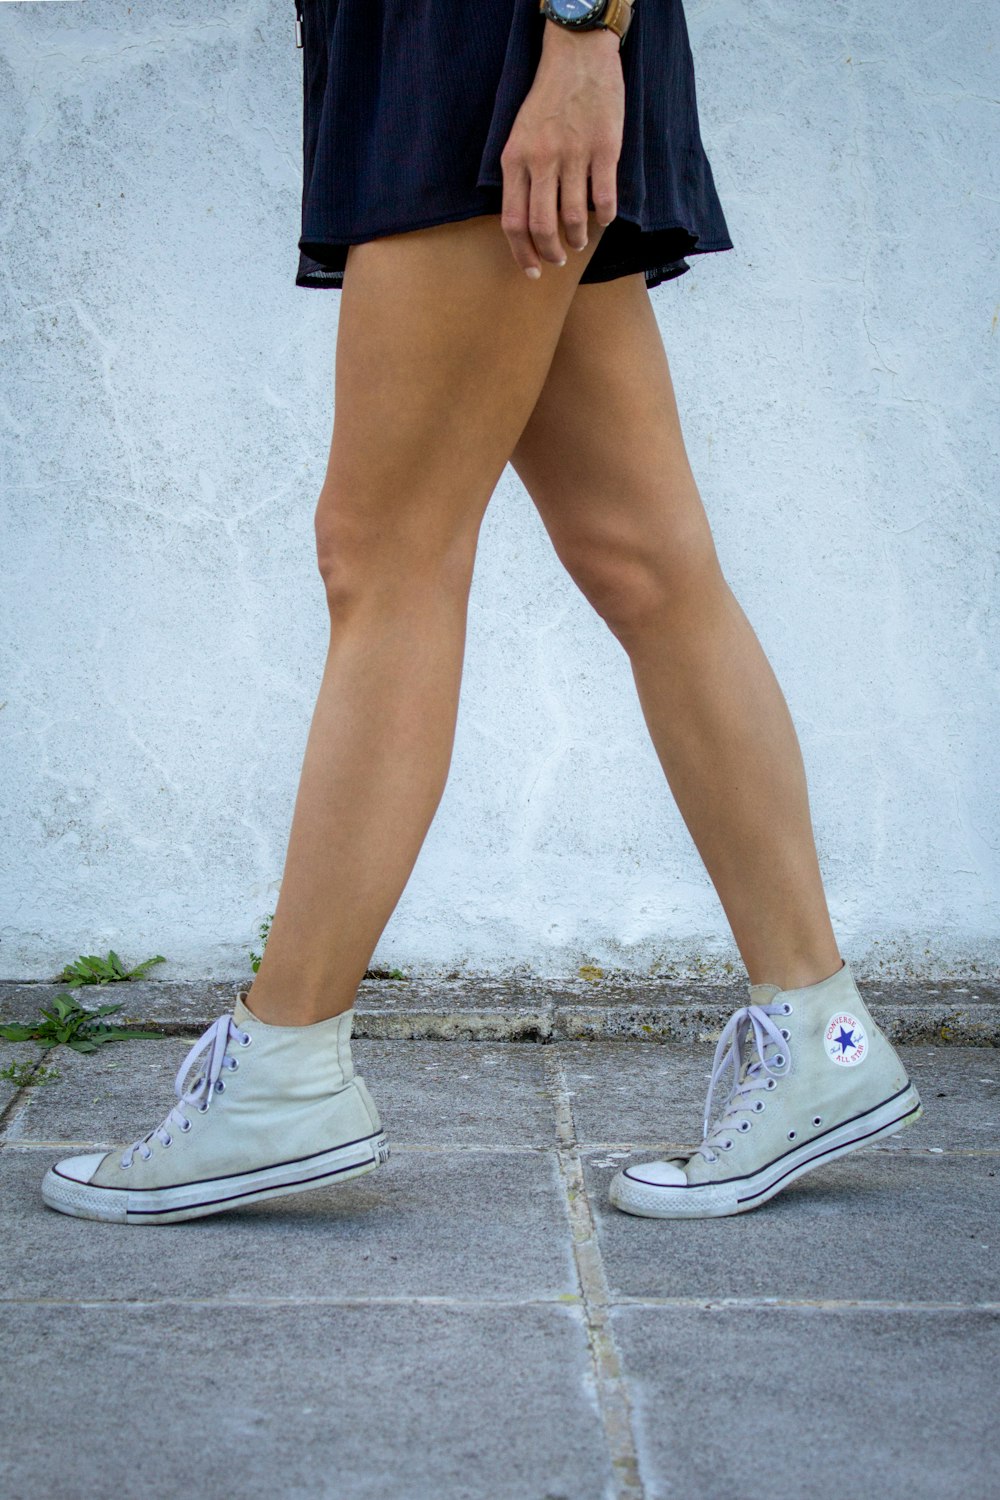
(811, 1078)
(271, 1110)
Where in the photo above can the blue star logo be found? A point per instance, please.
(844, 1040)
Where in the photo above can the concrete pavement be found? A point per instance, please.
(474, 1322)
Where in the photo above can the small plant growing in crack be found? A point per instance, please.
(264, 929)
(27, 1075)
(90, 969)
(69, 1024)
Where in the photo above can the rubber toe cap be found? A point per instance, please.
(80, 1168)
(657, 1174)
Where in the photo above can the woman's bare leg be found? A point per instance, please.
(621, 505)
(442, 348)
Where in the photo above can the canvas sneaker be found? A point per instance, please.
(270, 1110)
(810, 1077)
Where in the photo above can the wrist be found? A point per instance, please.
(556, 35)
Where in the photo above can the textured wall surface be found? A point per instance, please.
(164, 421)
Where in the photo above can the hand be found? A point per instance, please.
(569, 127)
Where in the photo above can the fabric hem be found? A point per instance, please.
(332, 278)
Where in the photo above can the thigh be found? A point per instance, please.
(603, 454)
(443, 346)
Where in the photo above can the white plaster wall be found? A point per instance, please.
(164, 421)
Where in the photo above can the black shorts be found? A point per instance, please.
(407, 105)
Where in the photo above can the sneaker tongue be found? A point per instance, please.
(763, 994)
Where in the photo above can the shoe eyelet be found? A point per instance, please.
(758, 1106)
(125, 1164)
(232, 1063)
(817, 1119)
(784, 1033)
(787, 1009)
(772, 1083)
(780, 1059)
(726, 1145)
(186, 1126)
(791, 1135)
(743, 1126)
(246, 1039)
(713, 1157)
(203, 1109)
(220, 1087)
(168, 1141)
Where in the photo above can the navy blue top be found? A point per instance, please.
(407, 105)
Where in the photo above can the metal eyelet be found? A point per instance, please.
(167, 1142)
(780, 1059)
(726, 1145)
(743, 1126)
(772, 1083)
(784, 1033)
(246, 1039)
(758, 1106)
(787, 1009)
(232, 1063)
(220, 1087)
(817, 1119)
(186, 1126)
(125, 1164)
(791, 1135)
(203, 1109)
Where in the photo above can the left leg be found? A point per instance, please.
(811, 1075)
(618, 498)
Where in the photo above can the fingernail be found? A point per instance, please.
(583, 246)
(533, 271)
(561, 262)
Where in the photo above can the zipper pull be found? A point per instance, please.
(298, 24)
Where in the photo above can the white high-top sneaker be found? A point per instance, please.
(272, 1110)
(813, 1077)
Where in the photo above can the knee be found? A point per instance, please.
(637, 584)
(368, 551)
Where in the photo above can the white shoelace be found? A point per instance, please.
(216, 1038)
(772, 1062)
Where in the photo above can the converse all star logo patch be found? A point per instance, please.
(845, 1040)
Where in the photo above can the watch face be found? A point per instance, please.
(576, 10)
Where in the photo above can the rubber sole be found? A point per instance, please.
(195, 1200)
(740, 1195)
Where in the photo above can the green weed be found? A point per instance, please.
(69, 1024)
(90, 969)
(27, 1075)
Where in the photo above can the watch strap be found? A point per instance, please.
(616, 16)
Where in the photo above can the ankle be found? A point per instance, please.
(299, 1008)
(801, 975)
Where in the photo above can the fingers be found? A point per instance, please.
(514, 213)
(604, 184)
(573, 203)
(534, 205)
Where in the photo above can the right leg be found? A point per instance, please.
(443, 347)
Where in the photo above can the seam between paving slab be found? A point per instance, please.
(612, 1389)
(676, 1304)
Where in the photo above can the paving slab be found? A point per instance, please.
(429, 1093)
(469, 1224)
(343, 1403)
(761, 1403)
(871, 1226)
(628, 1094)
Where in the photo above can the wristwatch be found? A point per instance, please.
(585, 15)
